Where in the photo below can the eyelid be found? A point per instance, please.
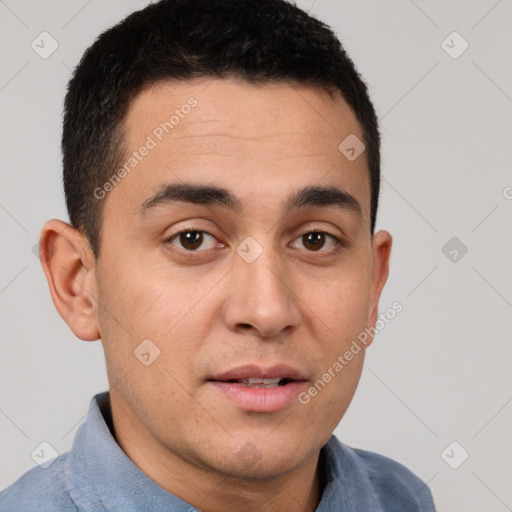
(338, 240)
(336, 234)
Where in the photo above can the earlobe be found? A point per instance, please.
(69, 266)
(381, 251)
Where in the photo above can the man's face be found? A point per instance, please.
(256, 285)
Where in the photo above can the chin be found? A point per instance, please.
(265, 469)
(262, 460)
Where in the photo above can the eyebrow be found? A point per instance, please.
(211, 195)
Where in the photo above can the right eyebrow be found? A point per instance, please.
(192, 193)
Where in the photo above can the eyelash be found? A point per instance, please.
(339, 243)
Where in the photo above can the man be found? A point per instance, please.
(221, 170)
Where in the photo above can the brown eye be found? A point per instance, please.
(190, 240)
(313, 241)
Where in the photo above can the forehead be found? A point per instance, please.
(248, 111)
(257, 140)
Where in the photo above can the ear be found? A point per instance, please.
(69, 265)
(381, 251)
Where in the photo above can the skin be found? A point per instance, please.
(296, 304)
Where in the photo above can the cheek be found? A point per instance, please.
(150, 299)
(337, 310)
(147, 317)
(340, 301)
(329, 395)
(154, 303)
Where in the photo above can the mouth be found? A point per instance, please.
(256, 389)
(255, 376)
(261, 383)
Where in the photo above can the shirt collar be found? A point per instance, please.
(101, 477)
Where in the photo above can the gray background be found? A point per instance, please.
(440, 371)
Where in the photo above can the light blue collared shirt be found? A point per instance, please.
(97, 476)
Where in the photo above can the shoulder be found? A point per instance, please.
(39, 490)
(392, 485)
(395, 483)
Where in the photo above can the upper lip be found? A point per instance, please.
(254, 371)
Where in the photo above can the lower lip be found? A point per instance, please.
(260, 399)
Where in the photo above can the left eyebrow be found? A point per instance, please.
(322, 196)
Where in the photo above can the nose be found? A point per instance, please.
(262, 300)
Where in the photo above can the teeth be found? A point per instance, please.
(260, 383)
(254, 380)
